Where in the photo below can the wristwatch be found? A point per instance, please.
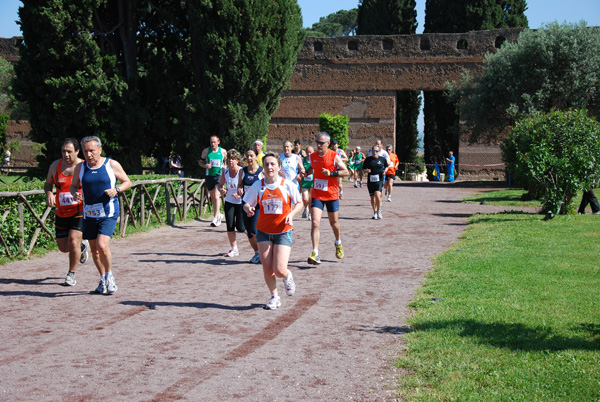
(118, 190)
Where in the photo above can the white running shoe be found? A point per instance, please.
(232, 253)
(101, 286)
(374, 215)
(290, 285)
(219, 219)
(85, 246)
(273, 303)
(111, 286)
(309, 217)
(256, 258)
(389, 198)
(70, 279)
(214, 222)
(379, 214)
(355, 184)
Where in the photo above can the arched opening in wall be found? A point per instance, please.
(387, 44)
(353, 45)
(318, 46)
(499, 42)
(425, 44)
(408, 135)
(441, 130)
(462, 44)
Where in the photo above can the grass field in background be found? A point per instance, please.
(509, 197)
(509, 313)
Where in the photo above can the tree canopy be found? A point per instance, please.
(340, 23)
(387, 17)
(557, 66)
(149, 76)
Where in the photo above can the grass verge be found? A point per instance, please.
(508, 197)
(510, 312)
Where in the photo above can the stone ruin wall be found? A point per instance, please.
(359, 75)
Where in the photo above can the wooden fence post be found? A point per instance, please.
(168, 202)
(21, 226)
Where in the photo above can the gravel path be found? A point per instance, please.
(188, 324)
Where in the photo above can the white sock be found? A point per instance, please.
(316, 251)
(338, 242)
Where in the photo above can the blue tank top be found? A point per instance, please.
(248, 179)
(96, 204)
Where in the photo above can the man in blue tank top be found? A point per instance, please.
(98, 176)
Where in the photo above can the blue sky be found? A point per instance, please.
(539, 11)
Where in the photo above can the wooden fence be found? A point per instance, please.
(181, 195)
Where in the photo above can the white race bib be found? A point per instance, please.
(308, 178)
(320, 184)
(215, 163)
(272, 206)
(373, 178)
(66, 199)
(94, 211)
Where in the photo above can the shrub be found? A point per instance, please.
(557, 152)
(337, 127)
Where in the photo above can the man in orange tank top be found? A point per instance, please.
(69, 213)
(327, 166)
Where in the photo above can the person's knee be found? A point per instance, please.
(63, 245)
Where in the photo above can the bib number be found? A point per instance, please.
(308, 178)
(373, 178)
(215, 163)
(94, 211)
(272, 206)
(66, 199)
(320, 184)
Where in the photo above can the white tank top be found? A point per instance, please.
(289, 167)
(232, 187)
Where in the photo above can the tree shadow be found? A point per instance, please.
(199, 305)
(394, 330)
(43, 294)
(38, 281)
(517, 336)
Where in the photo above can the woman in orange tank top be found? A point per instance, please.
(279, 200)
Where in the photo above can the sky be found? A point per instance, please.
(539, 12)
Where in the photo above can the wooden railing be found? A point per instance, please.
(181, 195)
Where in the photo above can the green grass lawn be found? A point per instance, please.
(509, 313)
(509, 197)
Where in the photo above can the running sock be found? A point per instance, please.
(316, 251)
(338, 242)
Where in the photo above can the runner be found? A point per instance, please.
(291, 164)
(298, 149)
(306, 184)
(98, 177)
(327, 166)
(335, 147)
(374, 167)
(250, 175)
(275, 225)
(233, 199)
(390, 173)
(258, 145)
(359, 158)
(351, 172)
(212, 159)
(69, 213)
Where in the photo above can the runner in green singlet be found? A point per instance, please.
(359, 158)
(307, 183)
(212, 159)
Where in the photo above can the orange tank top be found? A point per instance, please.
(275, 206)
(393, 161)
(325, 188)
(65, 205)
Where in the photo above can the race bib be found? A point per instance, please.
(373, 178)
(94, 211)
(272, 206)
(246, 189)
(215, 163)
(66, 199)
(308, 178)
(320, 184)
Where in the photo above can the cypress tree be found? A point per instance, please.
(454, 16)
(396, 17)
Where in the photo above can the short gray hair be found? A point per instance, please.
(324, 135)
(90, 138)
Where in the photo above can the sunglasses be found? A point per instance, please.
(321, 142)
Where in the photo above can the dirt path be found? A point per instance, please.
(188, 324)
